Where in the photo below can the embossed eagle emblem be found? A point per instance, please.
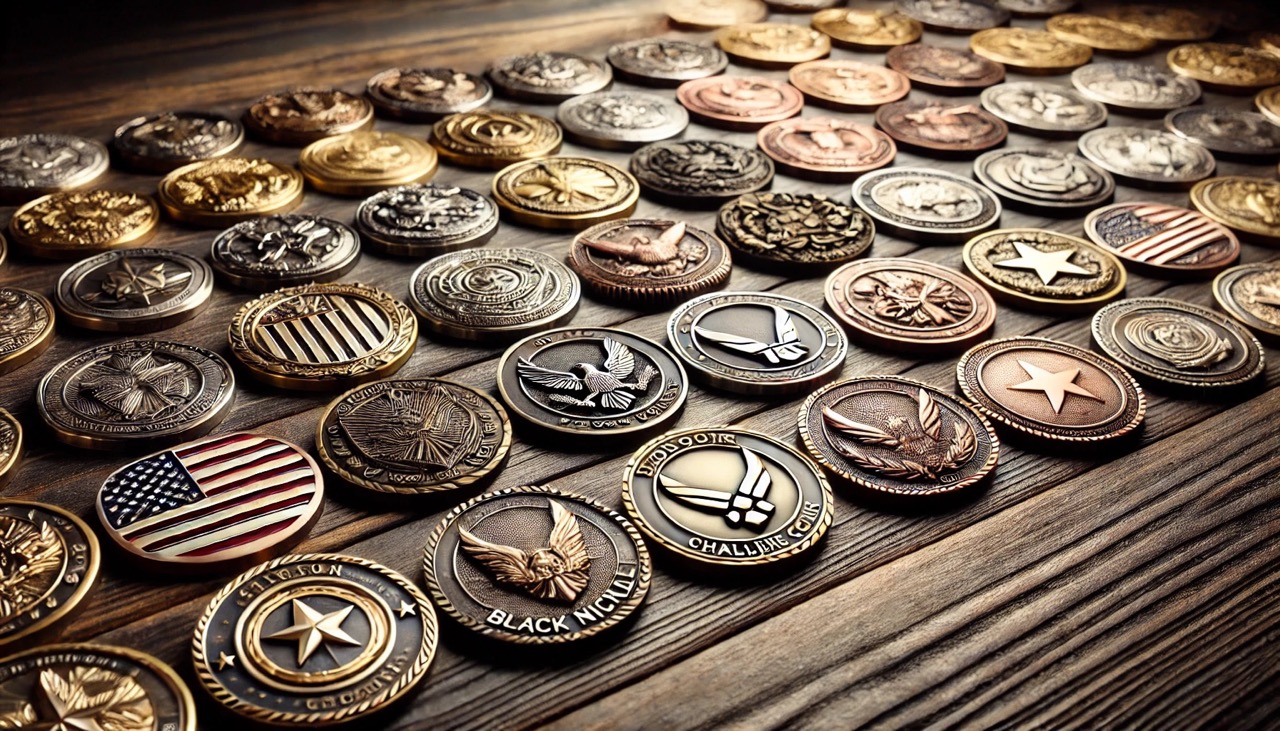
(604, 382)
(557, 571)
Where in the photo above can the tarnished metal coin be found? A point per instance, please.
(1137, 88)
(928, 205)
(167, 140)
(267, 253)
(532, 565)
(665, 61)
(1226, 131)
(898, 435)
(1044, 270)
(136, 394)
(313, 640)
(800, 230)
(221, 192)
(494, 294)
(910, 305)
(1243, 204)
(1251, 294)
(1177, 344)
(362, 163)
(826, 148)
(321, 337)
(1228, 67)
(413, 437)
(1045, 109)
(1030, 51)
(1164, 22)
(1099, 33)
(941, 126)
(10, 446)
(591, 382)
(488, 138)
(954, 16)
(712, 14)
(1268, 103)
(649, 262)
(26, 327)
(867, 30)
(1044, 180)
(215, 504)
(739, 102)
(700, 173)
(548, 76)
(846, 84)
(302, 116)
(134, 290)
(54, 562)
(425, 220)
(89, 686)
(757, 342)
(772, 45)
(727, 498)
(426, 94)
(1148, 157)
(1163, 240)
(1051, 390)
(80, 222)
(1037, 8)
(947, 70)
(565, 192)
(621, 120)
(39, 164)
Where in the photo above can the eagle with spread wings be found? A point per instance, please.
(557, 571)
(605, 382)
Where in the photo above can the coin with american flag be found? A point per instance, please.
(229, 500)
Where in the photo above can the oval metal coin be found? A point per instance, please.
(700, 173)
(426, 94)
(946, 70)
(488, 138)
(277, 251)
(301, 116)
(39, 164)
(1243, 204)
(1030, 51)
(954, 16)
(1037, 8)
(826, 148)
(1226, 67)
(1251, 294)
(425, 220)
(362, 163)
(1136, 88)
(1164, 22)
(167, 140)
(1226, 131)
(926, 204)
(712, 14)
(621, 120)
(220, 192)
(548, 76)
(1268, 103)
(134, 290)
(1044, 270)
(941, 127)
(850, 85)
(649, 262)
(1148, 157)
(1163, 240)
(795, 230)
(739, 102)
(10, 446)
(867, 30)
(80, 222)
(665, 61)
(1101, 34)
(1046, 109)
(772, 45)
(55, 559)
(565, 192)
(1044, 181)
(27, 319)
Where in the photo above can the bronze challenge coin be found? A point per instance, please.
(548, 77)
(700, 173)
(795, 230)
(739, 102)
(10, 446)
(826, 148)
(772, 45)
(1044, 181)
(1050, 390)
(78, 223)
(565, 192)
(849, 85)
(757, 342)
(867, 30)
(494, 139)
(946, 70)
(532, 565)
(1250, 293)
(665, 61)
(927, 205)
(134, 290)
(1148, 157)
(1044, 270)
(1243, 204)
(361, 163)
(27, 319)
(55, 563)
(301, 116)
(221, 192)
(898, 435)
(425, 220)
(277, 251)
(314, 640)
(941, 127)
(726, 498)
(168, 140)
(426, 94)
(649, 262)
(1163, 240)
(413, 437)
(39, 164)
(909, 305)
(1030, 51)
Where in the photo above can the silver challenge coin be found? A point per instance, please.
(168, 140)
(134, 290)
(927, 205)
(1051, 110)
(35, 165)
(665, 61)
(265, 254)
(954, 16)
(1226, 131)
(548, 77)
(426, 220)
(1148, 157)
(621, 120)
(1135, 87)
(1044, 180)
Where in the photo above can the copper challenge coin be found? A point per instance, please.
(1030, 51)
(215, 504)
(649, 262)
(1226, 67)
(218, 193)
(867, 30)
(314, 640)
(56, 558)
(945, 70)
(425, 220)
(413, 437)
(796, 230)
(727, 498)
(426, 94)
(548, 77)
(826, 148)
(739, 102)
(910, 305)
(1136, 88)
(621, 120)
(39, 164)
(1050, 390)
(78, 223)
(10, 446)
(757, 342)
(495, 139)
(592, 382)
(1227, 132)
(772, 45)
(1050, 110)
(494, 294)
(700, 173)
(532, 565)
(94, 687)
(1148, 157)
(1163, 240)
(302, 116)
(134, 290)
(927, 205)
(362, 163)
(278, 251)
(849, 85)
(565, 192)
(1101, 34)
(1044, 270)
(26, 327)
(1243, 204)
(167, 140)
(942, 127)
(1044, 181)
(898, 435)
(1250, 293)
(665, 61)
(954, 16)
(712, 14)
(320, 337)
(1177, 344)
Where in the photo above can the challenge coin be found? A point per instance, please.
(55, 563)
(532, 565)
(10, 446)
(954, 16)
(849, 85)
(1250, 293)
(826, 148)
(867, 30)
(946, 70)
(1101, 34)
(1044, 270)
(1030, 51)
(278, 251)
(40, 164)
(1136, 88)
(134, 290)
(1268, 103)
(1148, 157)
(302, 116)
(26, 327)
(1050, 110)
(1226, 131)
(167, 140)
(1243, 204)
(665, 61)
(1044, 180)
(77, 223)
(1227, 67)
(700, 173)
(649, 262)
(548, 77)
(941, 127)
(361, 163)
(927, 205)
(425, 220)
(220, 192)
(1164, 22)
(495, 139)
(1037, 8)
(739, 102)
(800, 6)
(712, 14)
(1163, 240)
(772, 45)
(426, 94)
(795, 230)
(621, 120)
(565, 192)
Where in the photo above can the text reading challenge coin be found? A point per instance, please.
(301, 116)
(649, 262)
(1136, 88)
(621, 120)
(928, 205)
(494, 139)
(426, 94)
(168, 140)
(1243, 204)
(826, 148)
(277, 251)
(739, 102)
(548, 77)
(10, 446)
(425, 220)
(665, 61)
(947, 70)
(55, 563)
(941, 127)
(700, 173)
(40, 164)
(1044, 180)
(134, 290)
(27, 319)
(221, 192)
(1251, 294)
(1051, 110)
(1044, 270)
(1148, 157)
(772, 45)
(798, 230)
(565, 192)
(1163, 240)
(867, 30)
(78, 223)
(362, 163)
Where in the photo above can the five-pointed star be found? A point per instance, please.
(1047, 264)
(405, 609)
(1055, 386)
(310, 628)
(224, 660)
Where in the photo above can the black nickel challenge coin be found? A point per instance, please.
(425, 220)
(267, 253)
(700, 173)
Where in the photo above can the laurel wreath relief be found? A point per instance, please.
(919, 446)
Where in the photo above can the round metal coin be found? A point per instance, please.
(532, 565)
(927, 205)
(1101, 34)
(1148, 157)
(10, 446)
(1051, 390)
(727, 497)
(301, 116)
(1164, 22)
(55, 563)
(621, 120)
(700, 173)
(220, 192)
(1044, 270)
(1251, 294)
(361, 163)
(795, 230)
(826, 148)
(801, 6)
(1268, 103)
(1163, 240)
(898, 435)
(712, 14)
(1228, 67)
(26, 327)
(1037, 8)
(1137, 88)
(867, 30)
(75, 223)
(947, 70)
(772, 45)
(548, 77)
(565, 192)
(665, 61)
(1226, 131)
(267, 253)
(1243, 204)
(425, 220)
(954, 16)
(1030, 51)
(851, 85)
(39, 164)
(1044, 180)
(941, 127)
(649, 262)
(495, 139)
(1046, 109)
(136, 394)
(314, 640)
(426, 94)
(167, 140)
(134, 290)
(739, 102)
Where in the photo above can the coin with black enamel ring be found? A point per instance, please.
(134, 290)
(494, 294)
(1148, 157)
(1163, 240)
(621, 120)
(1135, 88)
(757, 342)
(136, 394)
(167, 140)
(647, 262)
(77, 223)
(591, 382)
(867, 30)
(954, 16)
(1177, 344)
(28, 327)
(365, 162)
(700, 173)
(489, 138)
(926, 205)
(1044, 270)
(739, 102)
(826, 148)
(533, 565)
(56, 564)
(278, 251)
(665, 61)
(302, 116)
(1101, 34)
(1044, 181)
(944, 70)
(425, 220)
(1250, 293)
(722, 498)
(40, 164)
(10, 446)
(314, 640)
(941, 127)
(426, 94)
(898, 435)
(548, 76)
(1050, 110)
(564, 192)
(795, 230)
(1228, 132)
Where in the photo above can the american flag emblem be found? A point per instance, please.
(324, 330)
(218, 499)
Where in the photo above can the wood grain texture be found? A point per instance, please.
(1070, 591)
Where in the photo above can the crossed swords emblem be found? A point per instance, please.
(744, 506)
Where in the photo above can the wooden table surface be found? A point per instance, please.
(1138, 589)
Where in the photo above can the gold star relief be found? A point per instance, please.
(405, 609)
(1055, 386)
(311, 628)
(1046, 264)
(225, 660)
